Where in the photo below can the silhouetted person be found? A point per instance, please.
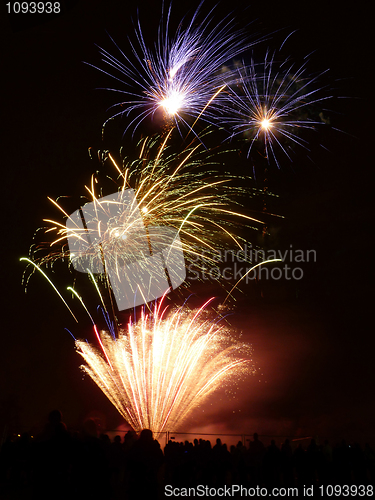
(287, 463)
(299, 461)
(52, 459)
(239, 466)
(91, 471)
(312, 461)
(116, 461)
(271, 464)
(129, 439)
(255, 459)
(341, 463)
(221, 462)
(145, 458)
(327, 457)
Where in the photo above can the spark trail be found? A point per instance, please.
(165, 365)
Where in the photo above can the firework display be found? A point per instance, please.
(182, 75)
(181, 191)
(164, 365)
(174, 209)
(270, 104)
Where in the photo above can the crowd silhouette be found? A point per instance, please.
(60, 464)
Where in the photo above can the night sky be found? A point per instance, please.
(313, 343)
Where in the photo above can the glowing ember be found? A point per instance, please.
(173, 103)
(266, 124)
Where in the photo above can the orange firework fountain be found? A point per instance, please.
(165, 365)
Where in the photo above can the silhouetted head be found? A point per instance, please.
(130, 436)
(105, 438)
(146, 435)
(55, 417)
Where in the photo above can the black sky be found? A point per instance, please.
(315, 352)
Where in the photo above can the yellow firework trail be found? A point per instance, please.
(181, 191)
(165, 365)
